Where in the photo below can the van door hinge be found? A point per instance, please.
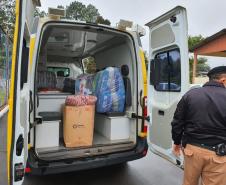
(18, 172)
(134, 115)
(19, 145)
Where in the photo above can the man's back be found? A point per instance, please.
(205, 114)
(199, 124)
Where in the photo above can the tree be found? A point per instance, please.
(202, 65)
(194, 40)
(40, 13)
(101, 20)
(7, 16)
(78, 11)
(91, 13)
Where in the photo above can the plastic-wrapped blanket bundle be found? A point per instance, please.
(84, 84)
(80, 100)
(110, 91)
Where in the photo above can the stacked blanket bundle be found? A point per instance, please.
(106, 86)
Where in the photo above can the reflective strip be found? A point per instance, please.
(144, 71)
(4, 111)
(11, 97)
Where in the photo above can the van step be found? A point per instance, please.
(69, 153)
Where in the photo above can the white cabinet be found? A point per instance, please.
(114, 128)
(47, 134)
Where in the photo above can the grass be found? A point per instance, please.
(2, 96)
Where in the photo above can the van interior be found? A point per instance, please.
(63, 54)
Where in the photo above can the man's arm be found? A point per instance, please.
(178, 122)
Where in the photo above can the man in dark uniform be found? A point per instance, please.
(199, 130)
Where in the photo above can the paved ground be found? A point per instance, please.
(151, 170)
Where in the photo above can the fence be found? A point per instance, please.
(5, 66)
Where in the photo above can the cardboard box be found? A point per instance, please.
(47, 134)
(78, 125)
(113, 128)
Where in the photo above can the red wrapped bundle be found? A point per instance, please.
(80, 100)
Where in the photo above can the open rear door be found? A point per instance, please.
(168, 75)
(18, 109)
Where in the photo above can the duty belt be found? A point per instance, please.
(219, 149)
(212, 148)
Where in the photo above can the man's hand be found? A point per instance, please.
(177, 150)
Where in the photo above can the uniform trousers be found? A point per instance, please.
(204, 164)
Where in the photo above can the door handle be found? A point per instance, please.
(19, 145)
(161, 112)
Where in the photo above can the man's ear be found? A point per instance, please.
(223, 80)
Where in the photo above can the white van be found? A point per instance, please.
(44, 47)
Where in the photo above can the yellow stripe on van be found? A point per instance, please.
(31, 51)
(144, 71)
(11, 97)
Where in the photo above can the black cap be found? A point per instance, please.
(217, 70)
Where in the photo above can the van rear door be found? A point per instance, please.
(18, 114)
(168, 73)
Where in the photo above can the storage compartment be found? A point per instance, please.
(51, 101)
(86, 132)
(47, 134)
(113, 128)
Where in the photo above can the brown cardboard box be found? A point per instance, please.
(78, 125)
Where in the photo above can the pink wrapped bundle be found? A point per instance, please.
(80, 100)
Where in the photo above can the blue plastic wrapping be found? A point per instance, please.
(109, 89)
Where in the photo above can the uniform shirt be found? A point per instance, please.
(200, 116)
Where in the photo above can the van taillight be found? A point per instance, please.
(27, 170)
(144, 122)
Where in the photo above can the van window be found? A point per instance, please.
(24, 64)
(5, 67)
(169, 71)
(89, 65)
(60, 71)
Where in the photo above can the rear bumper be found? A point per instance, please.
(45, 168)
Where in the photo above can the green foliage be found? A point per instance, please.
(7, 16)
(91, 13)
(2, 96)
(194, 40)
(101, 20)
(202, 65)
(40, 13)
(75, 11)
(78, 11)
(89, 65)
